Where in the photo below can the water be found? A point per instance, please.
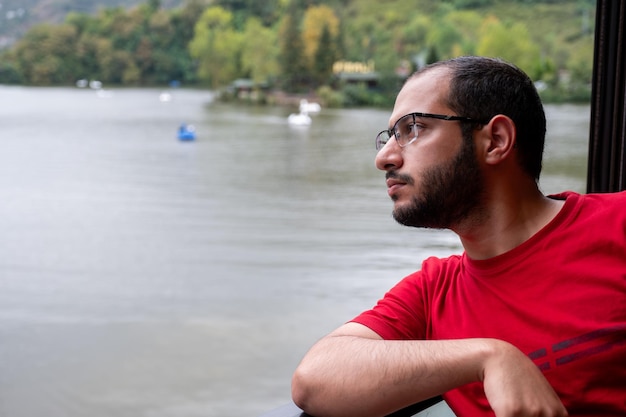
(143, 276)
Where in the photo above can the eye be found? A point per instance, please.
(408, 129)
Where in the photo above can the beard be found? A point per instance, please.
(451, 193)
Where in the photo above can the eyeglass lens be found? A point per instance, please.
(382, 138)
(404, 130)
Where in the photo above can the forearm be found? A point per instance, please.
(349, 375)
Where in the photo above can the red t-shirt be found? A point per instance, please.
(560, 297)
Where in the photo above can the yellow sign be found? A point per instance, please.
(353, 67)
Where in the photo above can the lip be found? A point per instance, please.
(393, 185)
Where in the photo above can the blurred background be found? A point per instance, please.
(144, 275)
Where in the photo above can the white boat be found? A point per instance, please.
(307, 107)
(164, 97)
(299, 119)
(95, 84)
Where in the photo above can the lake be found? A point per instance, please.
(144, 276)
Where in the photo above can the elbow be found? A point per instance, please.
(311, 392)
(318, 392)
(302, 390)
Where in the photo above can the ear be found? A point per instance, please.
(499, 140)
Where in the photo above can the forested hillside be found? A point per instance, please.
(17, 16)
(294, 44)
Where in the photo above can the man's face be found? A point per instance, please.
(435, 181)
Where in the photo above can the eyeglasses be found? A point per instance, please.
(406, 128)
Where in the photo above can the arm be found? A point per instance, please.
(352, 371)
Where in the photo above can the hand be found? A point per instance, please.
(514, 386)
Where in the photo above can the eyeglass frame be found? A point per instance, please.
(392, 132)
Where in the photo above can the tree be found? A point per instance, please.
(104, 54)
(87, 55)
(325, 57)
(83, 23)
(291, 58)
(143, 58)
(216, 46)
(175, 62)
(432, 56)
(316, 20)
(161, 30)
(414, 35)
(444, 35)
(468, 24)
(259, 52)
(266, 11)
(149, 44)
(9, 72)
(45, 55)
(512, 44)
(153, 5)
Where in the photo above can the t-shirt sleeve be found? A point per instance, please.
(399, 315)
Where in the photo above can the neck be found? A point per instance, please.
(508, 218)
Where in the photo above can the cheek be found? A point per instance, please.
(426, 156)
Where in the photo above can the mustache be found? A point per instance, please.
(399, 177)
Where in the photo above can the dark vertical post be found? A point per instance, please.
(607, 142)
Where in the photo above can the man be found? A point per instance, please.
(531, 319)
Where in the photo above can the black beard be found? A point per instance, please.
(451, 193)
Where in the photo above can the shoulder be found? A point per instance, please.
(404, 311)
(608, 206)
(605, 199)
(437, 269)
(433, 270)
(434, 278)
(437, 263)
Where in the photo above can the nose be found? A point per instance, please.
(389, 157)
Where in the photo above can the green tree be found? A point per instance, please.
(83, 23)
(468, 25)
(9, 72)
(149, 44)
(160, 30)
(432, 56)
(291, 57)
(413, 36)
(444, 36)
(369, 39)
(580, 71)
(87, 55)
(316, 20)
(174, 62)
(325, 57)
(184, 21)
(266, 11)
(104, 52)
(143, 57)
(512, 43)
(117, 26)
(216, 46)
(45, 55)
(259, 56)
(119, 67)
(153, 5)
(580, 64)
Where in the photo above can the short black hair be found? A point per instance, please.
(482, 87)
